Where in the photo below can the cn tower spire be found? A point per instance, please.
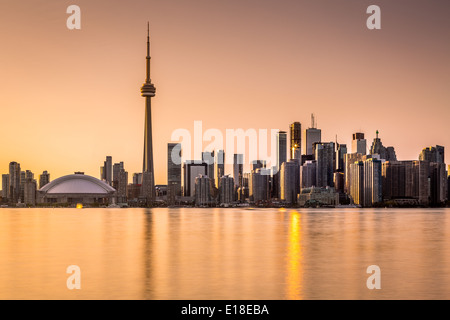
(147, 79)
(148, 91)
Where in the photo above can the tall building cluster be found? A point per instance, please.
(19, 186)
(324, 175)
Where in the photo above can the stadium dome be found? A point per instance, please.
(76, 188)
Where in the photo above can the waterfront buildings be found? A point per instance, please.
(318, 197)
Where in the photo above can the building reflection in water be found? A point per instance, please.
(294, 272)
(147, 253)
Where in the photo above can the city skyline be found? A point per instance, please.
(71, 125)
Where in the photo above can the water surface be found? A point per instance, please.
(188, 253)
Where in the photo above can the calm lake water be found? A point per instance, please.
(224, 253)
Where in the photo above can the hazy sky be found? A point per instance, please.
(68, 97)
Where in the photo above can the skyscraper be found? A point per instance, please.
(281, 149)
(359, 144)
(258, 164)
(44, 178)
(377, 147)
(372, 182)
(295, 150)
(24, 176)
(122, 186)
(432, 154)
(259, 185)
(340, 155)
(29, 197)
(202, 185)
(308, 174)
(356, 185)
(366, 182)
(399, 180)
(208, 158)
(14, 181)
(219, 167)
(288, 182)
(173, 171)
(5, 186)
(106, 170)
(311, 136)
(191, 170)
(226, 191)
(238, 169)
(148, 91)
(438, 183)
(349, 159)
(324, 158)
(137, 178)
(117, 167)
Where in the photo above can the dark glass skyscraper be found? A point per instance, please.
(324, 157)
(173, 170)
(281, 149)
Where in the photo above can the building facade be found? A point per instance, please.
(295, 150)
(44, 178)
(219, 167)
(359, 143)
(226, 191)
(259, 185)
(173, 171)
(281, 148)
(288, 182)
(324, 164)
(202, 190)
(190, 170)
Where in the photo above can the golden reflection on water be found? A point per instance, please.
(225, 254)
(294, 272)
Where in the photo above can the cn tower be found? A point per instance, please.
(148, 91)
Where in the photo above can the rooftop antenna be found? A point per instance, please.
(313, 125)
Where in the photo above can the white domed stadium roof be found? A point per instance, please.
(77, 184)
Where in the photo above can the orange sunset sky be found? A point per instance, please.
(69, 98)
